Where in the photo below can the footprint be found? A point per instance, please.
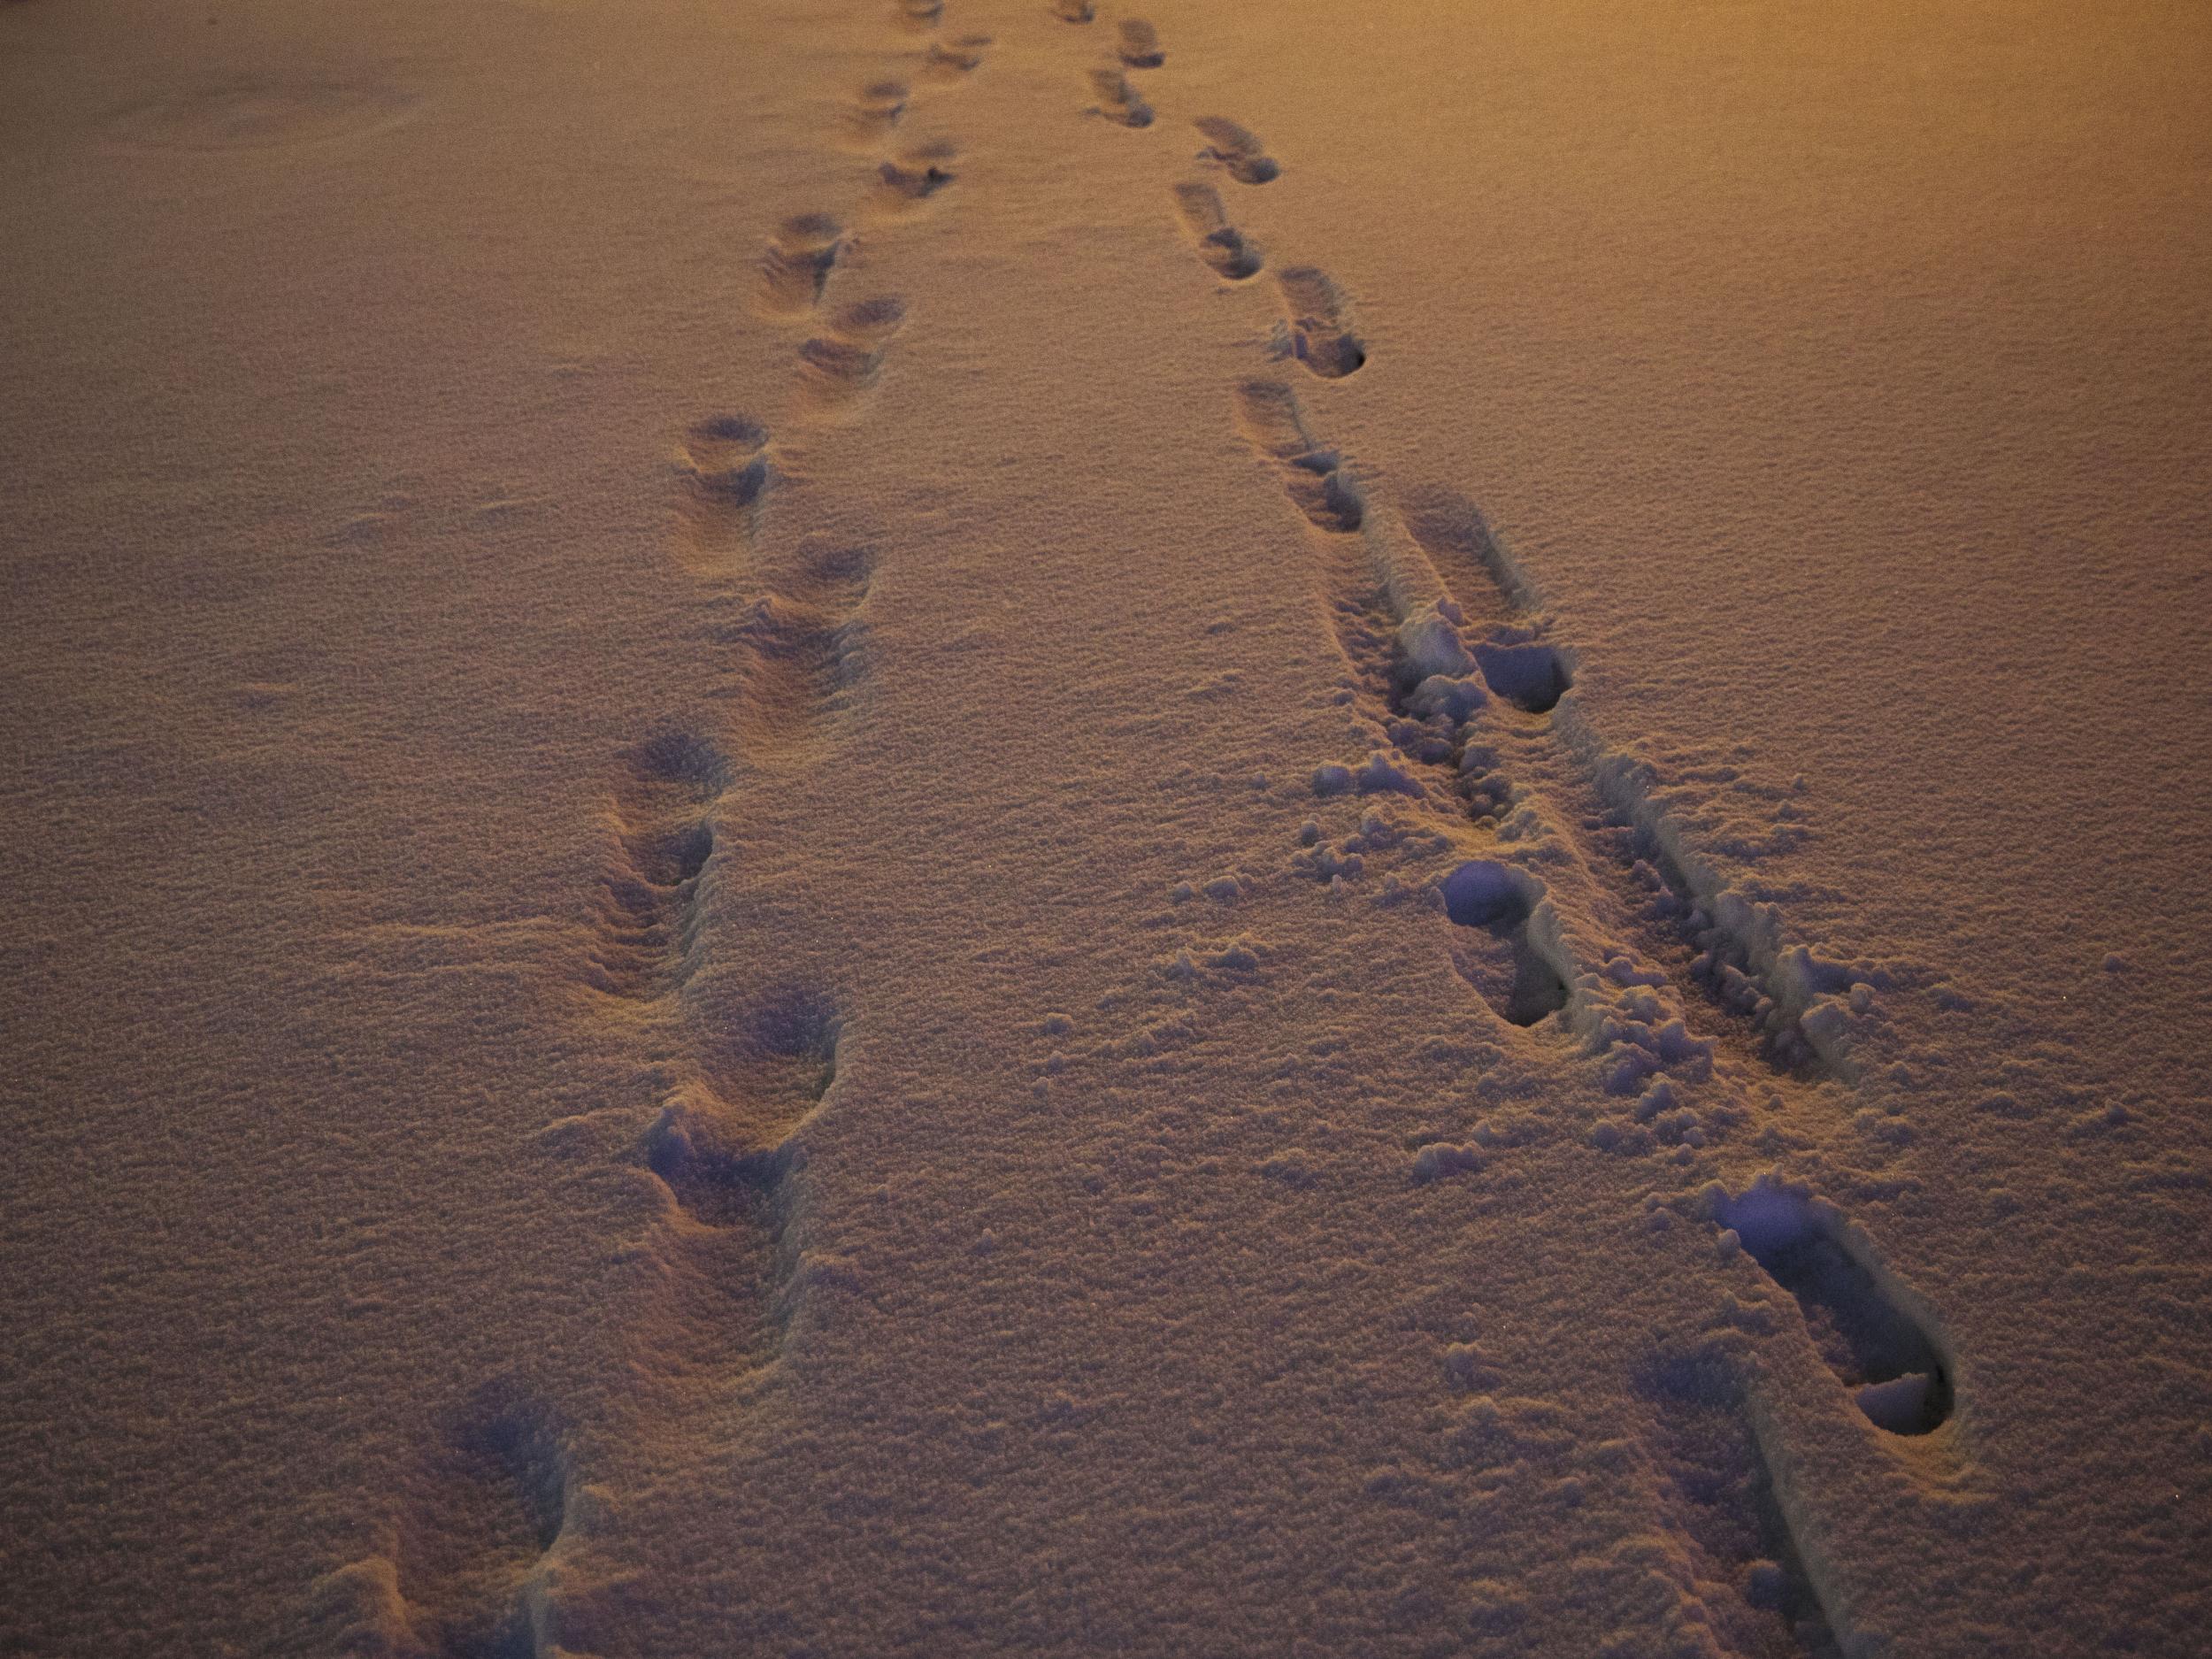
(662, 811)
(1138, 46)
(876, 109)
(1527, 673)
(1718, 1491)
(1119, 101)
(919, 172)
(1074, 11)
(843, 361)
(918, 15)
(797, 264)
(723, 471)
(1892, 1363)
(1220, 244)
(1497, 904)
(489, 1503)
(950, 60)
(724, 1149)
(1236, 149)
(802, 646)
(1269, 417)
(1317, 332)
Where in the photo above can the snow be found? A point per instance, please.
(853, 826)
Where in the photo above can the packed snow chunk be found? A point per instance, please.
(1532, 677)
(1382, 775)
(1455, 699)
(1467, 1368)
(1428, 645)
(1332, 779)
(1237, 956)
(1440, 1159)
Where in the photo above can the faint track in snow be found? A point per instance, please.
(662, 817)
(464, 1568)
(1747, 1573)
(800, 647)
(1314, 476)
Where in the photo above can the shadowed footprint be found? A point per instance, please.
(919, 14)
(1269, 417)
(1317, 332)
(1138, 45)
(950, 60)
(1236, 149)
(1527, 673)
(1119, 101)
(919, 173)
(1220, 244)
(797, 265)
(843, 361)
(1497, 903)
(1074, 11)
(876, 109)
(1891, 1363)
(487, 1505)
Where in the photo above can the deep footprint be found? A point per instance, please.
(1074, 11)
(1527, 673)
(1719, 1492)
(1313, 477)
(1220, 244)
(1497, 904)
(1893, 1366)
(1236, 149)
(797, 264)
(1317, 332)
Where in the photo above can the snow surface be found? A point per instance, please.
(850, 826)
